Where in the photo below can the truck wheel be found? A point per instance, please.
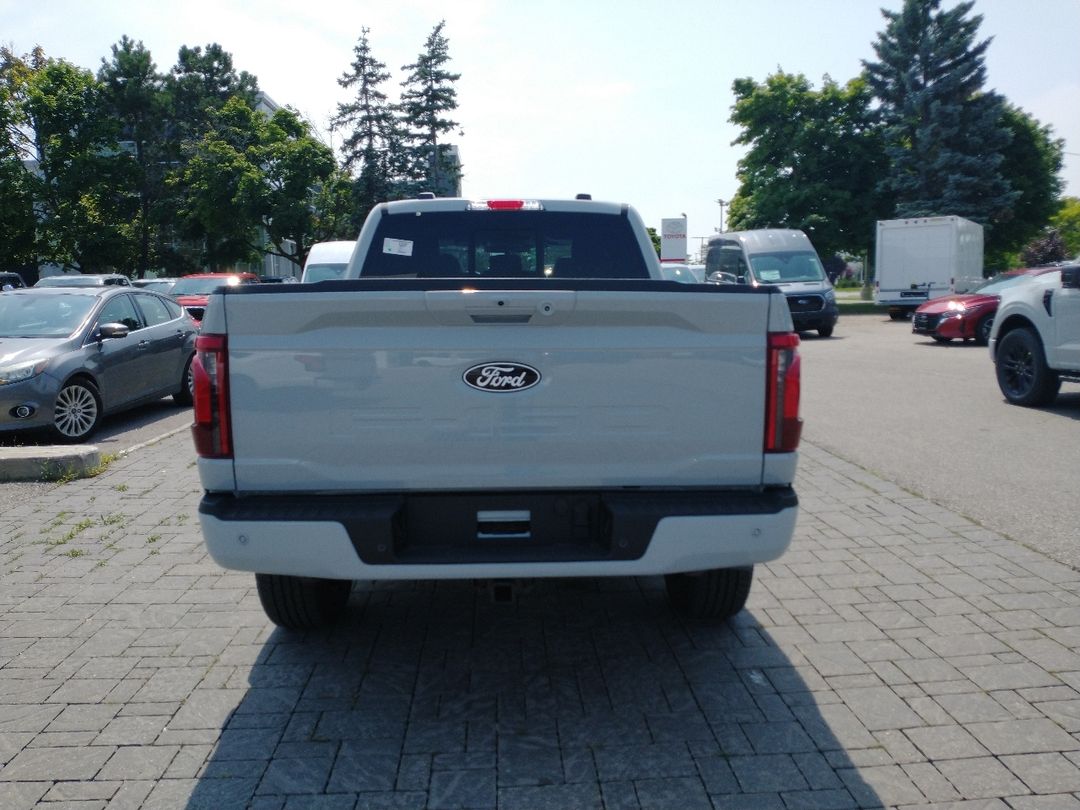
(897, 314)
(1022, 373)
(982, 329)
(302, 603)
(715, 594)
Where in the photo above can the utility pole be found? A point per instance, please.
(721, 203)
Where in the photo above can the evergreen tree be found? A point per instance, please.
(135, 96)
(373, 140)
(427, 99)
(944, 135)
(198, 87)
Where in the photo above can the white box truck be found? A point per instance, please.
(923, 258)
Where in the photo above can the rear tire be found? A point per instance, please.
(186, 392)
(825, 331)
(717, 594)
(1022, 373)
(302, 603)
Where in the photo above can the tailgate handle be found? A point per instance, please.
(504, 525)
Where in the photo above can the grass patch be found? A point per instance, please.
(106, 460)
(74, 532)
(121, 487)
(74, 552)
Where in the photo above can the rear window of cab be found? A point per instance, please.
(505, 244)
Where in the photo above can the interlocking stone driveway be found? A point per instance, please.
(898, 656)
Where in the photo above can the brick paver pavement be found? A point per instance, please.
(899, 655)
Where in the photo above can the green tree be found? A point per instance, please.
(812, 161)
(1067, 223)
(374, 140)
(79, 174)
(135, 95)
(295, 166)
(944, 135)
(255, 186)
(17, 220)
(200, 83)
(197, 88)
(222, 191)
(428, 97)
(655, 239)
(1032, 164)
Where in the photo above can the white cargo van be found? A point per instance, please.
(782, 258)
(327, 260)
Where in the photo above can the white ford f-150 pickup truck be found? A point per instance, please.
(1035, 339)
(497, 390)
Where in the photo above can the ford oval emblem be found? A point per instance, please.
(501, 377)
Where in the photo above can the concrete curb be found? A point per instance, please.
(48, 463)
(57, 462)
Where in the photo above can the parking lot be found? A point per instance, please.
(906, 652)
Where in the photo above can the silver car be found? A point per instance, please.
(71, 355)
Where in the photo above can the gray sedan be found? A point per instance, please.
(69, 356)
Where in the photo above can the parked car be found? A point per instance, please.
(970, 315)
(12, 280)
(85, 280)
(72, 355)
(161, 285)
(327, 260)
(1035, 342)
(682, 272)
(193, 291)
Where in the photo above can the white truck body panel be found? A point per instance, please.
(323, 549)
(920, 259)
(346, 393)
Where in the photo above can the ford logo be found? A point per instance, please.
(501, 377)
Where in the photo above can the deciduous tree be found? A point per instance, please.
(813, 160)
(1031, 164)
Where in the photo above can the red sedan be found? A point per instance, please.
(970, 315)
(192, 292)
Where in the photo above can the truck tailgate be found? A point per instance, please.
(347, 391)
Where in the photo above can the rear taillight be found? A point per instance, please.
(782, 423)
(210, 370)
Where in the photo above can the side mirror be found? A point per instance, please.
(1070, 277)
(108, 331)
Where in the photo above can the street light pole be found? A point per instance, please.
(721, 203)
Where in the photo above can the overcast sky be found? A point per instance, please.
(626, 100)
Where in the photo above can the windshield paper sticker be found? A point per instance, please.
(397, 247)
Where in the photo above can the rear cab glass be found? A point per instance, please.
(505, 244)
